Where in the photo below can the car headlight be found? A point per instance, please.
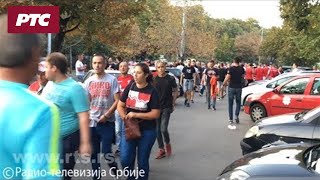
(234, 175)
(252, 132)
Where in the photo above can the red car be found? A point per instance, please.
(295, 95)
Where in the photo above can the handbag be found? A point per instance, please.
(132, 129)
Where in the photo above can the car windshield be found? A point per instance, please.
(311, 113)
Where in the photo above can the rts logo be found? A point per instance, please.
(33, 19)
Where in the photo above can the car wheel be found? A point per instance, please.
(257, 111)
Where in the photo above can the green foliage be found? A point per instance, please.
(298, 41)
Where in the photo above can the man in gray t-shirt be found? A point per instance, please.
(103, 91)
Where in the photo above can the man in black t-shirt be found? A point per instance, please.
(222, 75)
(208, 73)
(235, 76)
(188, 77)
(166, 87)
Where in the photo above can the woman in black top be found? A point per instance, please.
(139, 100)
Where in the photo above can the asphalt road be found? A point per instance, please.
(202, 144)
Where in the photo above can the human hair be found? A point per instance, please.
(15, 49)
(100, 55)
(237, 59)
(211, 61)
(146, 70)
(161, 62)
(59, 60)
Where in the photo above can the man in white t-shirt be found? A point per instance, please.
(80, 67)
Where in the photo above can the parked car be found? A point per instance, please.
(289, 162)
(289, 68)
(302, 127)
(268, 85)
(295, 95)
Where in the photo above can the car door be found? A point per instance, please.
(289, 97)
(316, 134)
(312, 99)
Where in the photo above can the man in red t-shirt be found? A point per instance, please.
(273, 72)
(124, 79)
(38, 85)
(265, 71)
(249, 74)
(259, 73)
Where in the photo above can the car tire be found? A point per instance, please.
(257, 111)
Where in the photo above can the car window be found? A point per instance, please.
(275, 84)
(316, 87)
(295, 87)
(176, 72)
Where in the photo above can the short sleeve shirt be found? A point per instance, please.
(141, 100)
(236, 73)
(188, 72)
(101, 95)
(71, 99)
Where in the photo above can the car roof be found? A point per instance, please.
(309, 75)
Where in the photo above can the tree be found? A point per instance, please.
(225, 51)
(87, 17)
(247, 46)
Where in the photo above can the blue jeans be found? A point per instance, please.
(162, 127)
(213, 100)
(140, 147)
(70, 144)
(103, 135)
(80, 77)
(118, 126)
(203, 87)
(234, 93)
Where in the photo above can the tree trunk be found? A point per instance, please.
(57, 43)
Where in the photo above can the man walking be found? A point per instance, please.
(208, 73)
(167, 90)
(103, 91)
(29, 125)
(80, 67)
(123, 80)
(235, 77)
(73, 105)
(188, 77)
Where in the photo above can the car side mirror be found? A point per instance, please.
(276, 91)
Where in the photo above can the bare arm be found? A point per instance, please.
(153, 114)
(181, 78)
(226, 79)
(174, 95)
(121, 108)
(114, 105)
(85, 145)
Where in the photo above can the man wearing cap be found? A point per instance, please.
(41, 82)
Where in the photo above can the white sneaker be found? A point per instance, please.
(232, 127)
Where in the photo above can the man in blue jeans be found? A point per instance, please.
(234, 76)
(103, 91)
(167, 89)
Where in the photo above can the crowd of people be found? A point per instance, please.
(58, 116)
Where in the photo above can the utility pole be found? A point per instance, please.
(49, 44)
(183, 32)
(261, 39)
